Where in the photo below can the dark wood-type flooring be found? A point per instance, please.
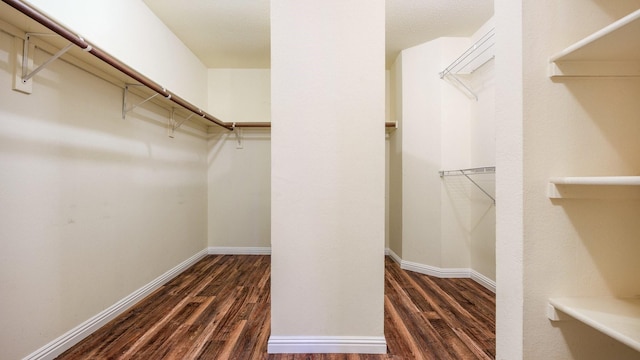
(219, 309)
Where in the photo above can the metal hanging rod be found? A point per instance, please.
(94, 50)
(472, 171)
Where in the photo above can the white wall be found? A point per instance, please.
(509, 181)
(328, 98)
(129, 31)
(239, 176)
(455, 140)
(395, 159)
(421, 154)
(240, 95)
(92, 207)
(446, 222)
(482, 152)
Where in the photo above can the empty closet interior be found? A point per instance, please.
(124, 160)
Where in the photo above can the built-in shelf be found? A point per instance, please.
(610, 51)
(597, 180)
(555, 183)
(618, 318)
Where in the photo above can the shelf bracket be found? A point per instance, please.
(238, 133)
(25, 57)
(464, 86)
(472, 171)
(554, 315)
(125, 94)
(174, 124)
(480, 53)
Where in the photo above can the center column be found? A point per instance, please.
(327, 176)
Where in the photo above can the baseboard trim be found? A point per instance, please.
(75, 335)
(327, 344)
(484, 281)
(228, 250)
(443, 272)
(435, 271)
(393, 256)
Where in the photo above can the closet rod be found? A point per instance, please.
(125, 69)
(113, 62)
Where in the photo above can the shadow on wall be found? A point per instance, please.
(585, 342)
(607, 232)
(617, 9)
(239, 188)
(616, 119)
(462, 193)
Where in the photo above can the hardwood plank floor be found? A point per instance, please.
(219, 309)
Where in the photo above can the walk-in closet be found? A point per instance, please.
(283, 179)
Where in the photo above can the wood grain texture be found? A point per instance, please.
(220, 309)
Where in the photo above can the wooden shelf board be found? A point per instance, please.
(618, 318)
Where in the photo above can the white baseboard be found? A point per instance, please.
(75, 335)
(393, 256)
(443, 272)
(484, 281)
(435, 271)
(222, 250)
(327, 344)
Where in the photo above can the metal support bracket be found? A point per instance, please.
(174, 124)
(464, 86)
(125, 94)
(480, 53)
(238, 133)
(23, 78)
(467, 172)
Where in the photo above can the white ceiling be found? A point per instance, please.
(235, 33)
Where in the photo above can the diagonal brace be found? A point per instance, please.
(25, 57)
(126, 109)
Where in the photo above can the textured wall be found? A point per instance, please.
(327, 179)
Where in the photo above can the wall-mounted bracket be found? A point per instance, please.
(480, 53)
(25, 56)
(461, 85)
(472, 171)
(175, 124)
(24, 63)
(238, 133)
(125, 94)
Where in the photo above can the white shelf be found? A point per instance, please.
(609, 51)
(597, 180)
(618, 318)
(612, 187)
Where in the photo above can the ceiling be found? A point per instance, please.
(235, 33)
